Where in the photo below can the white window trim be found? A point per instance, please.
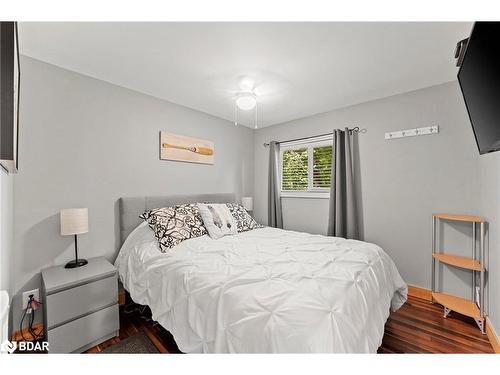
(321, 193)
(305, 194)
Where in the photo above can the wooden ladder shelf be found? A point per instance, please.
(453, 303)
(458, 261)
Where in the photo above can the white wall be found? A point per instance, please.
(402, 182)
(86, 143)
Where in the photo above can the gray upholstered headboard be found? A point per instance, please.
(130, 208)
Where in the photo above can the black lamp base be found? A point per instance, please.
(76, 263)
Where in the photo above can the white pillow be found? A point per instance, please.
(217, 219)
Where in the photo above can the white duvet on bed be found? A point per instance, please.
(266, 291)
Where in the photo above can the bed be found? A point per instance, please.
(267, 290)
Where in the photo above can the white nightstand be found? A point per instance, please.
(80, 305)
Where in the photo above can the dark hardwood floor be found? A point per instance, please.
(135, 318)
(418, 327)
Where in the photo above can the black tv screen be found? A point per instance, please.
(479, 78)
(9, 96)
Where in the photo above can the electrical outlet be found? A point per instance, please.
(26, 297)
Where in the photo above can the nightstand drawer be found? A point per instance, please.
(75, 302)
(84, 331)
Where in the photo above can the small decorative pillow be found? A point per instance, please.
(243, 219)
(217, 219)
(172, 225)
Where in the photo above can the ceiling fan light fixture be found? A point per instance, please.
(247, 84)
(246, 101)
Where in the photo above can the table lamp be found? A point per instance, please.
(247, 202)
(75, 221)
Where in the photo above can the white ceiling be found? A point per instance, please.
(300, 69)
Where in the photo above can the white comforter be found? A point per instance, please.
(266, 291)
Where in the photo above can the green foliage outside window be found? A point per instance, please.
(322, 168)
(295, 168)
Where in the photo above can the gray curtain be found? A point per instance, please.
(343, 216)
(274, 214)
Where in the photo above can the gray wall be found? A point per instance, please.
(402, 182)
(6, 228)
(6, 231)
(85, 143)
(489, 168)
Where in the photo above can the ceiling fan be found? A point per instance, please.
(246, 99)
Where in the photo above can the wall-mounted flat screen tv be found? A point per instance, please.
(9, 96)
(479, 78)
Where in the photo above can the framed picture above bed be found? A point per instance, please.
(9, 96)
(182, 148)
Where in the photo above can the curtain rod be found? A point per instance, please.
(355, 130)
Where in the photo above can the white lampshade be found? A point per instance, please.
(246, 101)
(247, 202)
(74, 221)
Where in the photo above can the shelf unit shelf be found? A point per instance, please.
(460, 305)
(458, 261)
(467, 218)
(467, 307)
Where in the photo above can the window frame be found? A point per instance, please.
(310, 144)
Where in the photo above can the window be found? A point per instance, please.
(295, 171)
(306, 168)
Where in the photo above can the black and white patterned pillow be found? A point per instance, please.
(172, 225)
(244, 221)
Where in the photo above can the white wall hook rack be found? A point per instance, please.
(426, 130)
